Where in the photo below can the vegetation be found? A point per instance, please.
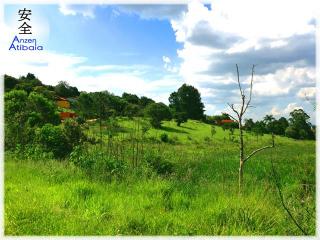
(124, 168)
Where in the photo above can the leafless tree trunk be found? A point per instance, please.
(238, 118)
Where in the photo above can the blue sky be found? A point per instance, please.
(153, 49)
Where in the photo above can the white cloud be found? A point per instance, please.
(308, 92)
(73, 10)
(291, 107)
(167, 64)
(277, 36)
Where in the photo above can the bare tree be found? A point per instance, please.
(238, 118)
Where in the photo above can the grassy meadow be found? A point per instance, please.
(139, 185)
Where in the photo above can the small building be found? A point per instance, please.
(65, 115)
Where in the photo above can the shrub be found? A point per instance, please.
(97, 163)
(73, 132)
(157, 112)
(164, 137)
(53, 139)
(158, 164)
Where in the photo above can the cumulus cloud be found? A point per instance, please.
(308, 92)
(152, 11)
(279, 38)
(73, 10)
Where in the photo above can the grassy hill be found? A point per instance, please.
(194, 191)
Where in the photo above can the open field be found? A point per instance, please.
(194, 191)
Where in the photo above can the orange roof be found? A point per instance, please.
(227, 121)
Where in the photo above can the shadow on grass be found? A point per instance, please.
(190, 128)
(169, 129)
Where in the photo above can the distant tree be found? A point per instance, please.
(9, 82)
(187, 99)
(280, 126)
(144, 101)
(157, 112)
(269, 121)
(259, 129)
(299, 126)
(248, 124)
(132, 110)
(131, 98)
(63, 89)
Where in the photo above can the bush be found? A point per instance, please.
(73, 132)
(164, 137)
(157, 112)
(158, 164)
(97, 163)
(53, 139)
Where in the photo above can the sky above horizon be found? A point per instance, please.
(151, 50)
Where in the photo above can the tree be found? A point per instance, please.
(63, 89)
(131, 98)
(280, 126)
(157, 112)
(144, 101)
(187, 99)
(259, 128)
(269, 121)
(239, 117)
(299, 126)
(180, 117)
(248, 124)
(24, 113)
(9, 82)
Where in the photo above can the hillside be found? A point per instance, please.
(186, 186)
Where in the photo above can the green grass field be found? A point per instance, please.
(198, 197)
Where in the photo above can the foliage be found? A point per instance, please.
(73, 132)
(299, 127)
(157, 112)
(53, 139)
(164, 137)
(187, 100)
(63, 89)
(180, 117)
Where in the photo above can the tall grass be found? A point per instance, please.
(187, 186)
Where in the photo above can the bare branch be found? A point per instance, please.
(241, 92)
(233, 109)
(248, 103)
(256, 151)
(232, 117)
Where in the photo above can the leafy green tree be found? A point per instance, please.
(9, 82)
(157, 112)
(188, 100)
(63, 89)
(131, 98)
(145, 101)
(259, 129)
(280, 126)
(248, 124)
(16, 117)
(269, 121)
(41, 110)
(180, 117)
(299, 126)
(53, 139)
(23, 113)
